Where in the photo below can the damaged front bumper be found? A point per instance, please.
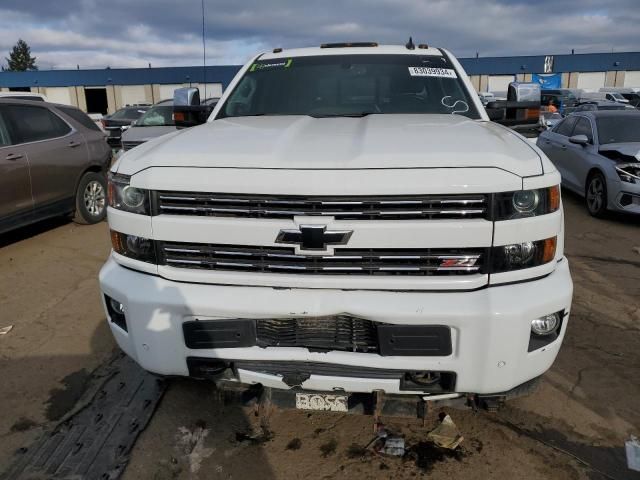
(490, 331)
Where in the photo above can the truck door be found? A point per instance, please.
(15, 187)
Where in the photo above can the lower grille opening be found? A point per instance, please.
(433, 382)
(341, 332)
(321, 334)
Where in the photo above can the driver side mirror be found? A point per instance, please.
(494, 111)
(579, 140)
(187, 111)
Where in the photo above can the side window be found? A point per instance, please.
(565, 127)
(35, 123)
(583, 127)
(4, 132)
(80, 117)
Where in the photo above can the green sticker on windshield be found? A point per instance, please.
(271, 65)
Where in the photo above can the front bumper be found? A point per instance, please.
(490, 327)
(624, 196)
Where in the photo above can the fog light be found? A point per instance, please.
(115, 309)
(545, 325)
(117, 306)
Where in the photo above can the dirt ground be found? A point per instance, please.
(573, 427)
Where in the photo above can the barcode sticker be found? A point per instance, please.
(432, 72)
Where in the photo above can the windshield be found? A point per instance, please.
(621, 129)
(350, 85)
(158, 116)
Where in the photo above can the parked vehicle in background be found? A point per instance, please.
(630, 93)
(154, 123)
(53, 160)
(112, 124)
(610, 96)
(549, 119)
(486, 97)
(347, 220)
(34, 97)
(593, 105)
(598, 155)
(563, 98)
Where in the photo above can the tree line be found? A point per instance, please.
(20, 58)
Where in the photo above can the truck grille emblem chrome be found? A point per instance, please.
(314, 237)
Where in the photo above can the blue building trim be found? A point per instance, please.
(585, 62)
(589, 62)
(119, 76)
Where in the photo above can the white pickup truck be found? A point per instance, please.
(347, 220)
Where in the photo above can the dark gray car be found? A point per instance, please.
(53, 160)
(598, 155)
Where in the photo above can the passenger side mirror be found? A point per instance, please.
(187, 111)
(579, 140)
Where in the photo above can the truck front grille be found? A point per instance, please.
(424, 262)
(340, 332)
(340, 207)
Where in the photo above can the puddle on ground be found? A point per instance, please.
(61, 400)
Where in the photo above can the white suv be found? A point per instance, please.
(347, 220)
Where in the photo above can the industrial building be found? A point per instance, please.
(106, 90)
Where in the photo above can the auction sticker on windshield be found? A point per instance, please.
(432, 72)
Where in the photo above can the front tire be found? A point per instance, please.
(596, 195)
(91, 199)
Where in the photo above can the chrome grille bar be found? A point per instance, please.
(425, 262)
(354, 208)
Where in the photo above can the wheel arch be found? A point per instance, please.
(591, 173)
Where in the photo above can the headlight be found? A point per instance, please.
(526, 203)
(132, 246)
(507, 258)
(123, 196)
(629, 172)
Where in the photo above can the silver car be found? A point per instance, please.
(598, 155)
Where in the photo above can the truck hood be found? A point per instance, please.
(144, 134)
(371, 142)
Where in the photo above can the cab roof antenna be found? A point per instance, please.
(410, 45)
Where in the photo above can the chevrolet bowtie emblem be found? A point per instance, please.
(314, 237)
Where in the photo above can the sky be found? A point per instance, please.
(134, 33)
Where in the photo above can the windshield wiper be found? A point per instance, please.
(350, 115)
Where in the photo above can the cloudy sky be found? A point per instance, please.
(133, 33)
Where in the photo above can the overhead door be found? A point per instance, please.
(632, 79)
(591, 80)
(58, 95)
(133, 94)
(500, 83)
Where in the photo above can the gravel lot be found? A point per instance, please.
(574, 427)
